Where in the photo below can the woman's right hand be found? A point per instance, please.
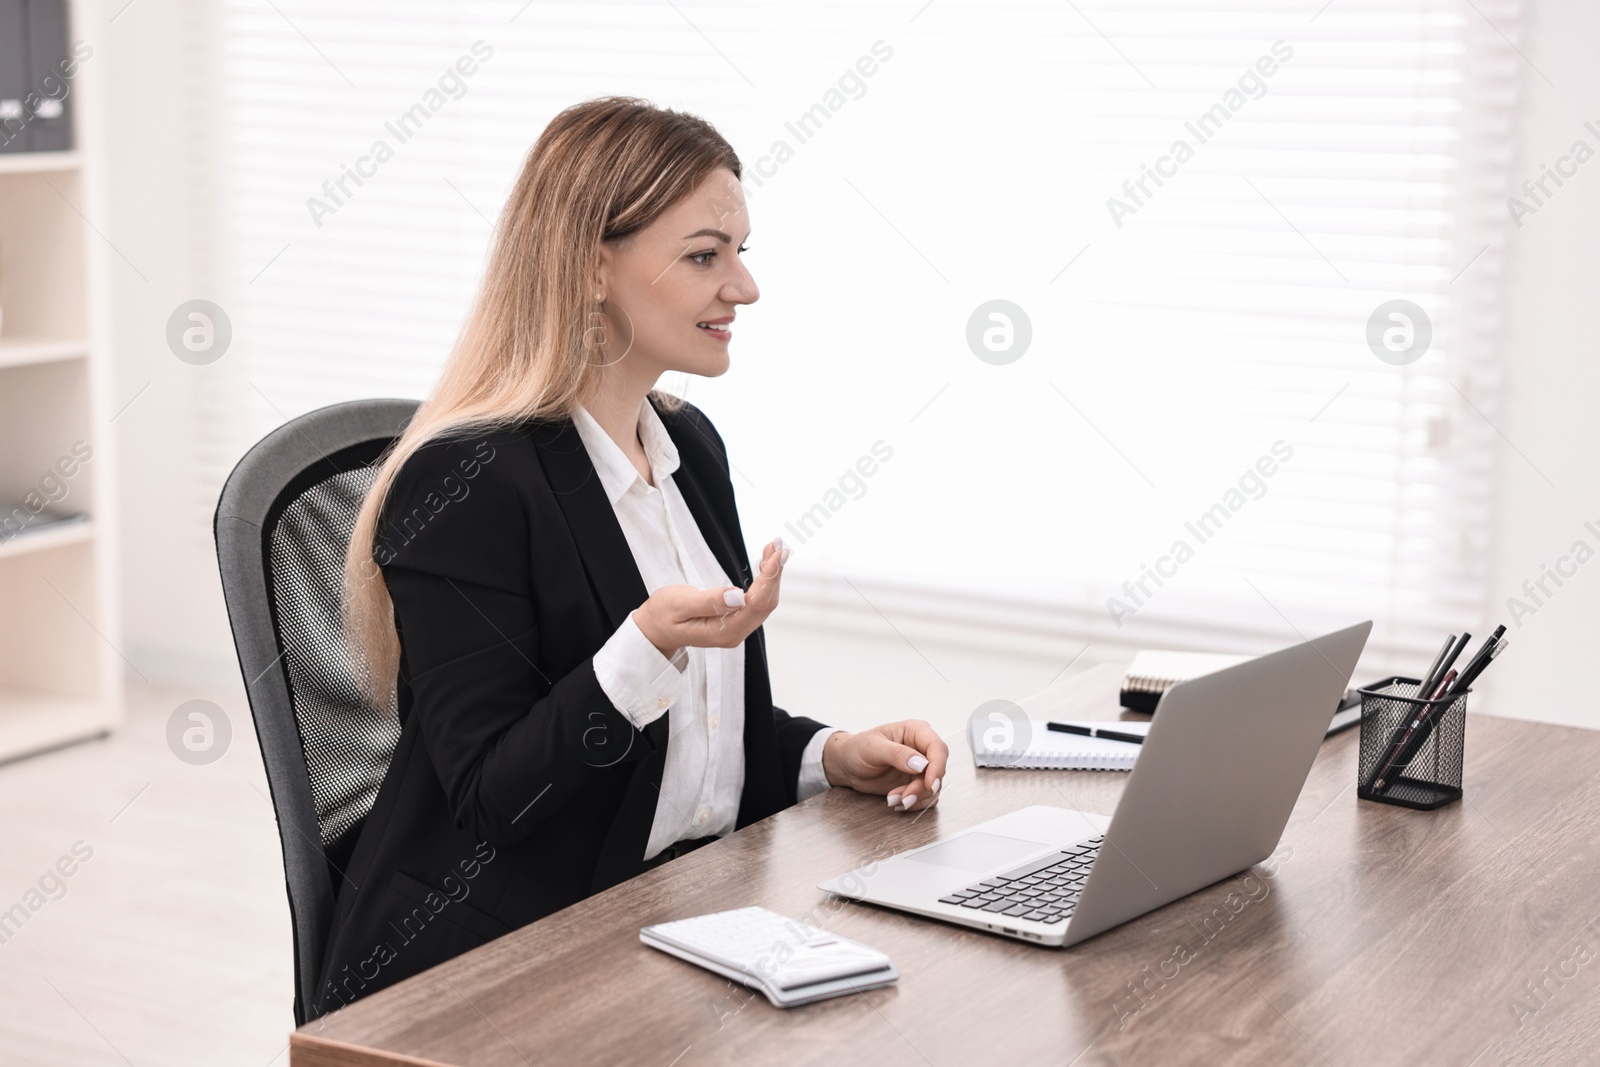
(676, 616)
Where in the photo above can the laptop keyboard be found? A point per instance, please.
(1043, 890)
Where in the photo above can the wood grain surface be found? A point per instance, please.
(1376, 934)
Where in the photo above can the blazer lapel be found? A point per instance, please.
(601, 543)
(607, 559)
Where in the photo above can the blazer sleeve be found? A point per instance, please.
(794, 734)
(511, 744)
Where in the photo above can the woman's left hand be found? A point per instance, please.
(903, 760)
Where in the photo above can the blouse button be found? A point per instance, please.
(663, 702)
(715, 722)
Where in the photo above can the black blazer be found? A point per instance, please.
(516, 788)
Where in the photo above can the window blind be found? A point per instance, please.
(1197, 209)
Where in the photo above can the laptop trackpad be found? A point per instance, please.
(978, 851)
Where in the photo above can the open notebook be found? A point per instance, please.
(1016, 735)
(1031, 745)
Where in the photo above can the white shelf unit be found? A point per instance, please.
(16, 352)
(60, 671)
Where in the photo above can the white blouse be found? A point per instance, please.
(702, 688)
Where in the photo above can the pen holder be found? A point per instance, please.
(1425, 774)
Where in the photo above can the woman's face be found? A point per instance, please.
(671, 288)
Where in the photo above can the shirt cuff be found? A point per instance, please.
(641, 682)
(813, 779)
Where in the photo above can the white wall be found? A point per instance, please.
(156, 104)
(1553, 385)
(174, 621)
(1550, 422)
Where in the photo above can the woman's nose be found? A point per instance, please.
(741, 289)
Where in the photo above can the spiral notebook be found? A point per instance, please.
(1154, 671)
(1028, 744)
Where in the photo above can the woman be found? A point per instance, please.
(562, 594)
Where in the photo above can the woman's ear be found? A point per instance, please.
(604, 273)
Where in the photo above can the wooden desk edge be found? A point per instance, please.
(306, 1050)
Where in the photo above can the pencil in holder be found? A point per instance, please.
(1411, 748)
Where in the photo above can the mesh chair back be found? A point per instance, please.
(346, 742)
(282, 525)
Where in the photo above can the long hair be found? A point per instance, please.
(601, 171)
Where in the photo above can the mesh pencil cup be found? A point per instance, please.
(1424, 774)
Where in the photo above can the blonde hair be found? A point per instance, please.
(601, 171)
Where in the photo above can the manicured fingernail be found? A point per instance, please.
(777, 544)
(936, 783)
(734, 598)
(910, 801)
(783, 557)
(918, 764)
(893, 799)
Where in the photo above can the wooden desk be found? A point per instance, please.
(1466, 935)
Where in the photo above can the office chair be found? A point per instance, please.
(282, 524)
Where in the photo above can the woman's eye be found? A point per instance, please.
(743, 249)
(702, 259)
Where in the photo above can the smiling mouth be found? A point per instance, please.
(718, 328)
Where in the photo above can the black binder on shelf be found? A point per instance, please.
(36, 92)
(16, 126)
(52, 100)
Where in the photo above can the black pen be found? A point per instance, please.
(1097, 731)
(1433, 670)
(1479, 661)
(1449, 661)
(1477, 667)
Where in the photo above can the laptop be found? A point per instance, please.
(1215, 782)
